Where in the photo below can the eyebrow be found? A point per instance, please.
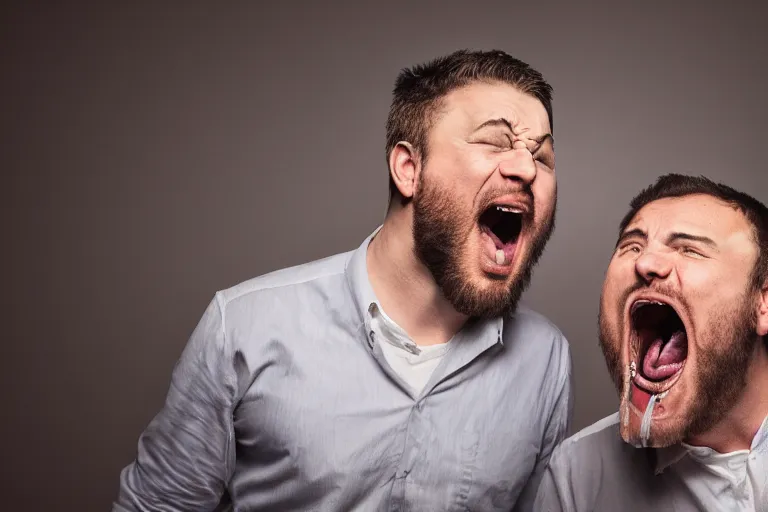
(691, 238)
(501, 121)
(632, 233)
(672, 238)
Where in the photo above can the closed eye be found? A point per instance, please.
(690, 251)
(632, 247)
(500, 142)
(547, 159)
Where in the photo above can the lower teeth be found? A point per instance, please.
(500, 257)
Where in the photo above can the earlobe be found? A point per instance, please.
(404, 167)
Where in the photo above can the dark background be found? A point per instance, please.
(152, 155)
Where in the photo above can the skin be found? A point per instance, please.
(472, 153)
(696, 253)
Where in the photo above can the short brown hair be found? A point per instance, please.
(418, 91)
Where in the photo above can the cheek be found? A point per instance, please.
(460, 173)
(544, 190)
(612, 291)
(709, 291)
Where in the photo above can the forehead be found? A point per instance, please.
(478, 102)
(698, 214)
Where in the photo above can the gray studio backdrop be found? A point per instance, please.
(153, 155)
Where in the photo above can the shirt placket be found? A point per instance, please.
(411, 449)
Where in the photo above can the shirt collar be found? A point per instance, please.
(490, 331)
(666, 457)
(357, 277)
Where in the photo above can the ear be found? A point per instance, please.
(404, 165)
(762, 310)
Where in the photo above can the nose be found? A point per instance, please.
(652, 265)
(520, 165)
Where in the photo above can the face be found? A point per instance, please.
(678, 317)
(485, 198)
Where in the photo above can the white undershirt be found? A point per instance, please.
(736, 481)
(415, 364)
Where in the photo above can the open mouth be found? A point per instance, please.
(502, 224)
(659, 346)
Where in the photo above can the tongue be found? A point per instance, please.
(664, 359)
(496, 240)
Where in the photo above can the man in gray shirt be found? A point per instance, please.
(401, 375)
(683, 324)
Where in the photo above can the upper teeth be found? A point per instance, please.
(508, 209)
(642, 302)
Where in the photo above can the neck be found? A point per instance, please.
(739, 427)
(405, 287)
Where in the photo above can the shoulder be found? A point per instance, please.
(532, 323)
(591, 470)
(299, 278)
(601, 435)
(536, 338)
(599, 452)
(580, 464)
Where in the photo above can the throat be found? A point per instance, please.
(407, 291)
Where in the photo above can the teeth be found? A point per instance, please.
(642, 302)
(500, 257)
(508, 209)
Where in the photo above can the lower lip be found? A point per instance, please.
(640, 397)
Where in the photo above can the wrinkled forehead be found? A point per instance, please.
(697, 215)
(471, 105)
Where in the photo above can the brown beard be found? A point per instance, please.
(441, 229)
(721, 367)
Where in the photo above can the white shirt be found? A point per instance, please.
(414, 363)
(596, 471)
(736, 481)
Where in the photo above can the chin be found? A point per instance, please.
(670, 418)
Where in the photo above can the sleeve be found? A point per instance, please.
(556, 430)
(185, 456)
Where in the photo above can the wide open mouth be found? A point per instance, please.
(502, 224)
(659, 343)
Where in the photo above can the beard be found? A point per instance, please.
(722, 363)
(441, 231)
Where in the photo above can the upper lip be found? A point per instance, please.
(516, 201)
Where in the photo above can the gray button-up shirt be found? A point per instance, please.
(282, 400)
(596, 471)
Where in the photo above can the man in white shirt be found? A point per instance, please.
(683, 324)
(296, 391)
